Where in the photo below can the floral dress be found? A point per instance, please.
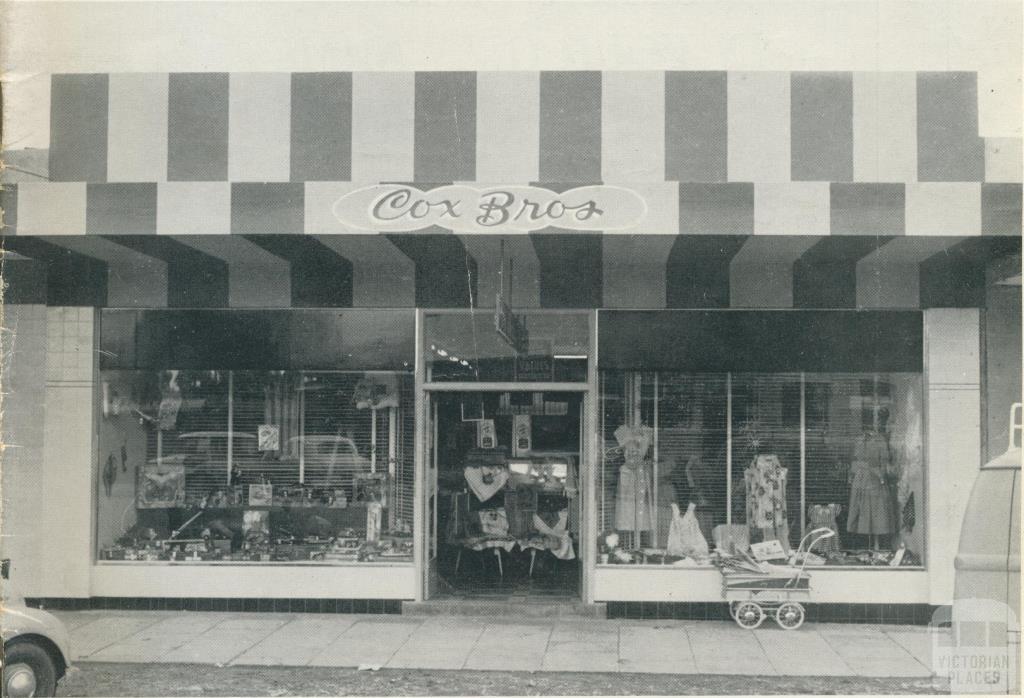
(766, 499)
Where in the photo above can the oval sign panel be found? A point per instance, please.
(396, 208)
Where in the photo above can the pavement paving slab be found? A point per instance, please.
(531, 644)
(372, 642)
(801, 653)
(92, 637)
(295, 643)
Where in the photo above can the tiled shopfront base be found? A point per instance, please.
(390, 606)
(890, 614)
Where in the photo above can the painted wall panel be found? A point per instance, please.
(51, 208)
(821, 126)
(78, 127)
(633, 126)
(696, 140)
(507, 127)
(137, 127)
(570, 126)
(383, 124)
(193, 208)
(943, 208)
(759, 127)
(321, 126)
(884, 127)
(259, 127)
(197, 127)
(445, 127)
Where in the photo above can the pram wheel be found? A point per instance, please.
(748, 615)
(790, 615)
(733, 605)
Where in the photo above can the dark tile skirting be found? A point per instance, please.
(391, 606)
(893, 614)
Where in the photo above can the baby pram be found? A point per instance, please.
(755, 589)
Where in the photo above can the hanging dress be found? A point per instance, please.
(824, 516)
(684, 536)
(871, 511)
(766, 499)
(633, 495)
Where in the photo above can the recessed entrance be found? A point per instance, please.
(508, 504)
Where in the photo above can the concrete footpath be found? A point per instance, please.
(447, 642)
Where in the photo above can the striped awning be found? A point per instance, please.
(708, 153)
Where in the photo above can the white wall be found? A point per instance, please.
(22, 380)
(953, 433)
(48, 449)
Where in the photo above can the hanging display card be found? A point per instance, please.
(521, 435)
(486, 437)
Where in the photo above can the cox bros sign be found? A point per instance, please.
(396, 208)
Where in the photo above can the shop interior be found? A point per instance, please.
(509, 504)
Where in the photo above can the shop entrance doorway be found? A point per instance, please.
(507, 507)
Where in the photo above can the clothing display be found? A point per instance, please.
(486, 481)
(633, 495)
(731, 538)
(765, 480)
(824, 516)
(871, 507)
(909, 516)
(684, 537)
(666, 500)
(554, 537)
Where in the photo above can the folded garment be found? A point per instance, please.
(486, 482)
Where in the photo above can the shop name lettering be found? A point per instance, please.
(466, 209)
(494, 208)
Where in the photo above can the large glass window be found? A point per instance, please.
(255, 466)
(730, 459)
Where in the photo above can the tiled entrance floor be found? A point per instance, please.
(446, 642)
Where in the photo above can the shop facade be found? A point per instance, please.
(262, 325)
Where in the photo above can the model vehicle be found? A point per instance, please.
(36, 647)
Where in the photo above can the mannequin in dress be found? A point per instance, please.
(633, 493)
(871, 512)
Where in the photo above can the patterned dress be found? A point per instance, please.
(824, 516)
(766, 499)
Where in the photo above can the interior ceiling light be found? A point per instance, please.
(442, 352)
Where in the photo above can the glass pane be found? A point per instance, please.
(269, 466)
(766, 456)
(463, 346)
(865, 467)
(681, 420)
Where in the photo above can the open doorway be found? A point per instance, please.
(508, 493)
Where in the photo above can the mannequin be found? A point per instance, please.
(871, 512)
(633, 493)
(766, 499)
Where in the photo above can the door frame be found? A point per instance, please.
(426, 474)
(589, 465)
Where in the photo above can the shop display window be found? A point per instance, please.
(511, 346)
(255, 466)
(698, 462)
